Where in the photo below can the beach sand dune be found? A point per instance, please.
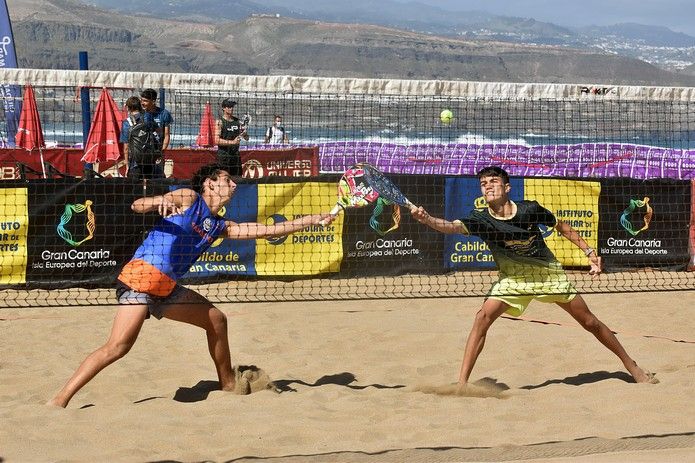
(359, 381)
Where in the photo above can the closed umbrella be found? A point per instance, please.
(206, 134)
(29, 133)
(102, 140)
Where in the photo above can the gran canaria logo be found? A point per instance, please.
(70, 210)
(626, 217)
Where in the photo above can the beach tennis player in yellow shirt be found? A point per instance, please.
(527, 268)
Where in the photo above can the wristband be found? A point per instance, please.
(589, 251)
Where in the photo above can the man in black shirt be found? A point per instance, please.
(228, 134)
(527, 268)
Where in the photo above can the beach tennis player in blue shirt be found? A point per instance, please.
(148, 285)
(528, 270)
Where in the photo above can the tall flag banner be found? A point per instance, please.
(11, 94)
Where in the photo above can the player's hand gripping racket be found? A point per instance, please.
(363, 184)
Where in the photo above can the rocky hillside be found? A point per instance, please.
(49, 34)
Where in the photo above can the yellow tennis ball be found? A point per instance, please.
(446, 116)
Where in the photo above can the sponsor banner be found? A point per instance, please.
(310, 251)
(412, 247)
(691, 265)
(574, 202)
(63, 159)
(14, 225)
(604, 160)
(644, 223)
(82, 233)
(231, 257)
(462, 195)
(179, 163)
(292, 162)
(11, 94)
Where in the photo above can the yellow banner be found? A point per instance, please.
(14, 222)
(574, 202)
(310, 251)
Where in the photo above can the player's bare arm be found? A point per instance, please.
(441, 225)
(168, 204)
(571, 234)
(253, 230)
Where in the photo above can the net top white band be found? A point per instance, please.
(344, 86)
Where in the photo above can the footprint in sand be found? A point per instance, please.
(484, 388)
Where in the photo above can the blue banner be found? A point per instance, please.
(11, 94)
(232, 257)
(462, 195)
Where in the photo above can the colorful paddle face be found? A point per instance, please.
(354, 189)
(385, 187)
(363, 184)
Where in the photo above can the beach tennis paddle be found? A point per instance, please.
(364, 184)
(385, 187)
(353, 191)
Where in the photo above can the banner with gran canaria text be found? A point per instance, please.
(572, 201)
(310, 251)
(14, 225)
(645, 223)
(82, 232)
(409, 248)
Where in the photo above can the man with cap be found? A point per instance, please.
(228, 134)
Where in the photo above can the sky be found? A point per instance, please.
(677, 15)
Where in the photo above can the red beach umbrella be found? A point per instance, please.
(206, 134)
(29, 133)
(102, 141)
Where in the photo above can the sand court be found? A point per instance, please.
(363, 380)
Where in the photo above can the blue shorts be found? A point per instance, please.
(156, 305)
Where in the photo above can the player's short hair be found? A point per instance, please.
(133, 104)
(149, 93)
(228, 103)
(208, 171)
(494, 171)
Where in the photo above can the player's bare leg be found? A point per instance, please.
(124, 332)
(578, 309)
(198, 311)
(489, 312)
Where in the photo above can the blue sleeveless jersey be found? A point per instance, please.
(170, 249)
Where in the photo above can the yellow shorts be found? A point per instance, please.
(549, 285)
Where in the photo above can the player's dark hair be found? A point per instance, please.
(208, 171)
(133, 104)
(494, 171)
(149, 93)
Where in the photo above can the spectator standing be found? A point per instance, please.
(229, 132)
(142, 148)
(163, 119)
(276, 133)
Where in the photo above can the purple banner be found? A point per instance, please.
(581, 160)
(593, 160)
